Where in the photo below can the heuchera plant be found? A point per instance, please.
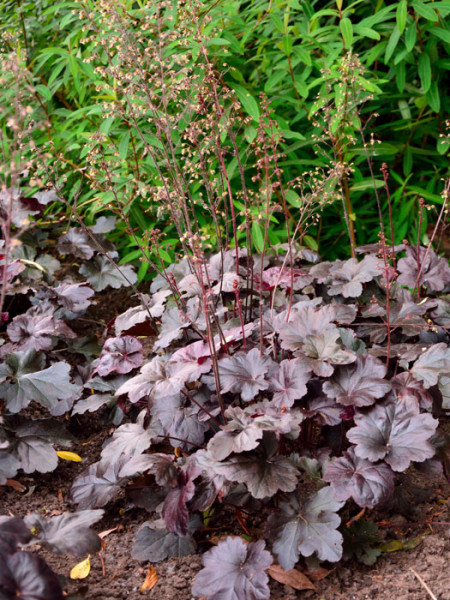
(293, 392)
(292, 400)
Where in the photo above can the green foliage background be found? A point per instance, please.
(283, 48)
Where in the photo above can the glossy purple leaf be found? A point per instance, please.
(103, 272)
(433, 363)
(245, 374)
(76, 242)
(234, 570)
(150, 307)
(37, 332)
(348, 277)
(394, 432)
(153, 381)
(423, 267)
(306, 528)
(262, 471)
(119, 355)
(98, 484)
(162, 466)
(288, 382)
(128, 439)
(154, 543)
(359, 384)
(69, 532)
(367, 483)
(27, 576)
(175, 512)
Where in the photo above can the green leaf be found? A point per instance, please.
(106, 125)
(407, 161)
(442, 34)
(123, 146)
(287, 44)
(258, 236)
(366, 32)
(301, 88)
(405, 111)
(248, 102)
(218, 42)
(367, 184)
(424, 69)
(400, 76)
(442, 146)
(433, 98)
(274, 79)
(44, 91)
(311, 242)
(424, 10)
(410, 37)
(402, 11)
(392, 44)
(347, 31)
(303, 55)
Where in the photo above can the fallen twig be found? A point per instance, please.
(423, 584)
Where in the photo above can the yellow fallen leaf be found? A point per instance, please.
(150, 579)
(69, 456)
(81, 570)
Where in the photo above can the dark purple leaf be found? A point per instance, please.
(37, 332)
(73, 296)
(162, 466)
(154, 381)
(244, 374)
(302, 323)
(21, 207)
(189, 363)
(348, 277)
(69, 532)
(76, 242)
(150, 307)
(367, 483)
(98, 484)
(407, 387)
(394, 432)
(360, 384)
(15, 530)
(246, 427)
(433, 363)
(49, 387)
(27, 576)
(321, 352)
(175, 511)
(326, 410)
(104, 224)
(102, 272)
(234, 570)
(284, 278)
(119, 355)
(263, 472)
(35, 454)
(288, 382)
(9, 465)
(433, 271)
(404, 314)
(154, 543)
(174, 321)
(128, 440)
(304, 529)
